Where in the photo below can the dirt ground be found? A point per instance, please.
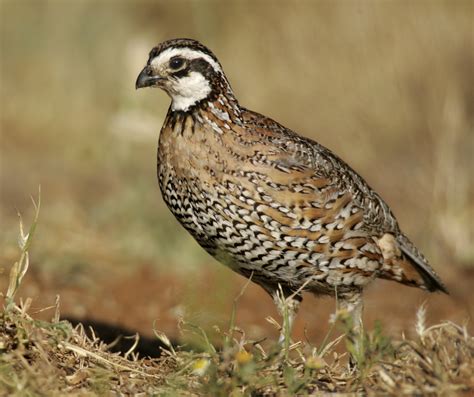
(135, 300)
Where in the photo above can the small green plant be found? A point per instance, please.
(20, 267)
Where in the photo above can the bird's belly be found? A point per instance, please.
(257, 246)
(223, 229)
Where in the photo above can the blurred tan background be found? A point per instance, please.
(386, 85)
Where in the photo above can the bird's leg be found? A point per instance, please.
(287, 303)
(352, 305)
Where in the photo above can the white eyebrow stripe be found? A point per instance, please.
(187, 53)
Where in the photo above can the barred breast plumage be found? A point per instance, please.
(265, 201)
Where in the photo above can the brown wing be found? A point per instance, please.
(358, 217)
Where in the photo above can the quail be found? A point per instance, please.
(270, 204)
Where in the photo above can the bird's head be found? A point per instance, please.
(188, 71)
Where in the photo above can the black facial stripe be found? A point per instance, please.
(181, 73)
(196, 65)
(202, 66)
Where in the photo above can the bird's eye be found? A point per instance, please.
(176, 63)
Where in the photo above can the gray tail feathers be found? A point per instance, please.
(430, 278)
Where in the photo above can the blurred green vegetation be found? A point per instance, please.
(386, 85)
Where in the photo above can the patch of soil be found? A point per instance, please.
(134, 300)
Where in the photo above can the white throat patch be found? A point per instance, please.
(189, 90)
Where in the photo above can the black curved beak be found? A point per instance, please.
(146, 79)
